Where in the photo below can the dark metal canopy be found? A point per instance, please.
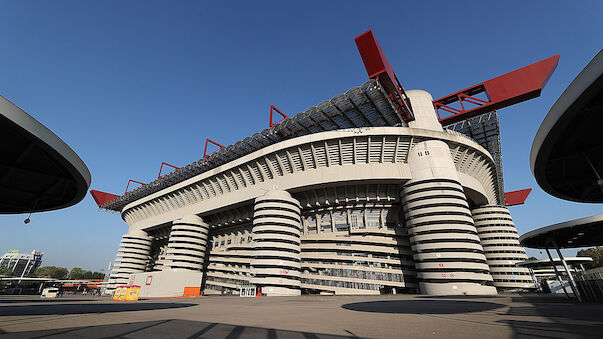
(583, 232)
(556, 261)
(567, 153)
(38, 171)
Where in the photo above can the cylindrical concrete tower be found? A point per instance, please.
(448, 256)
(275, 266)
(500, 240)
(186, 247)
(132, 257)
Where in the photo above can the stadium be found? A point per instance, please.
(371, 192)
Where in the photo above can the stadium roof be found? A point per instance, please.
(583, 232)
(567, 153)
(374, 104)
(38, 171)
(364, 106)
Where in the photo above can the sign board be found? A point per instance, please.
(248, 291)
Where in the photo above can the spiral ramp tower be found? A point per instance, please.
(500, 240)
(187, 244)
(449, 258)
(132, 257)
(275, 266)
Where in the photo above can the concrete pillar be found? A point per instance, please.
(187, 244)
(275, 266)
(448, 255)
(500, 241)
(132, 257)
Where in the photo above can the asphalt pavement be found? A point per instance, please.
(387, 316)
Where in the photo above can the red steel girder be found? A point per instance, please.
(161, 168)
(517, 197)
(207, 141)
(506, 90)
(102, 198)
(378, 67)
(134, 181)
(272, 109)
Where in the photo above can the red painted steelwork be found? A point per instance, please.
(102, 198)
(272, 109)
(205, 154)
(378, 67)
(506, 90)
(161, 168)
(134, 181)
(517, 197)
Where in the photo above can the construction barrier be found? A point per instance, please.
(126, 293)
(117, 293)
(132, 293)
(191, 292)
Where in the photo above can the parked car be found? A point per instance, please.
(50, 292)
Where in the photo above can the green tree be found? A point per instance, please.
(98, 275)
(6, 271)
(52, 272)
(595, 253)
(76, 273)
(87, 275)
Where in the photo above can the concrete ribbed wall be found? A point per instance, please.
(132, 257)
(500, 241)
(275, 266)
(448, 256)
(186, 247)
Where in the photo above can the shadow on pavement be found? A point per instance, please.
(168, 328)
(560, 311)
(543, 298)
(441, 297)
(62, 309)
(564, 320)
(422, 306)
(539, 329)
(40, 300)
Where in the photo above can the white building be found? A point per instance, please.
(20, 263)
(347, 197)
(356, 210)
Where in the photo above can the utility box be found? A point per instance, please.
(172, 283)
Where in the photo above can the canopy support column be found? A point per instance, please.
(557, 272)
(569, 273)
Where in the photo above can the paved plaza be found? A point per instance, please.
(388, 316)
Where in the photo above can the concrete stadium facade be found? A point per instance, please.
(367, 210)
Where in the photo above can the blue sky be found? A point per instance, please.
(129, 84)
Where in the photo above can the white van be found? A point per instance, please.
(50, 292)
